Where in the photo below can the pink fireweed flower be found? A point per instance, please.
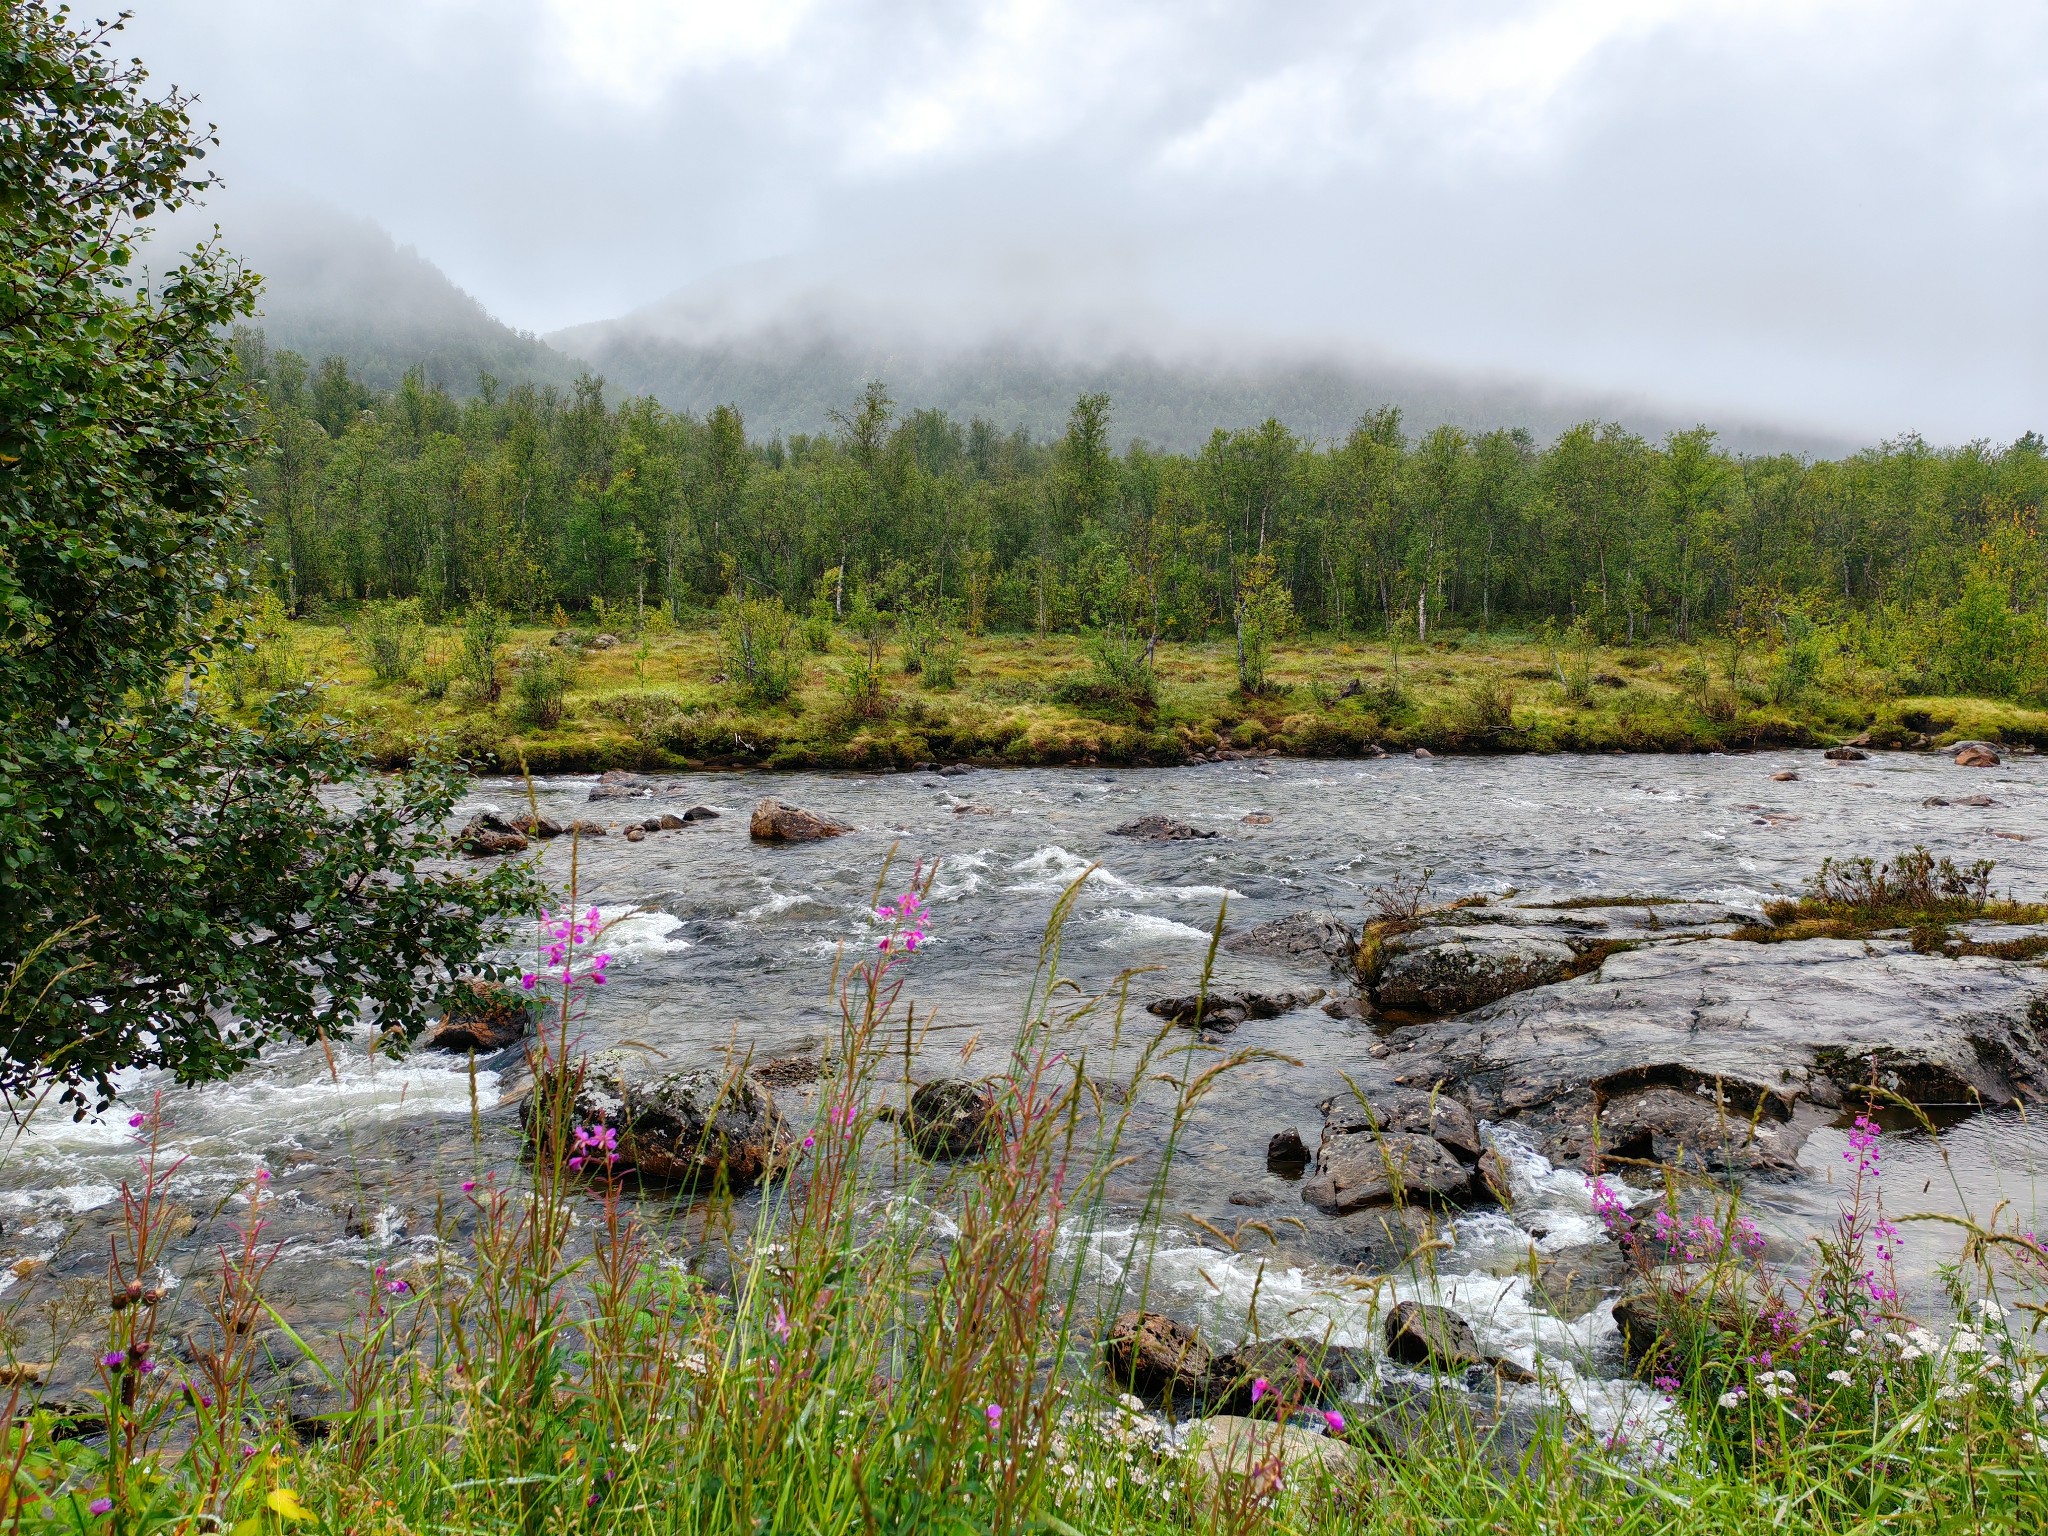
(1862, 1148)
(1258, 1389)
(1335, 1420)
(589, 1143)
(995, 1417)
(101, 1506)
(779, 1323)
(398, 1288)
(810, 1142)
(136, 1120)
(528, 980)
(468, 1185)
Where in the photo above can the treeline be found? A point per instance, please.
(531, 499)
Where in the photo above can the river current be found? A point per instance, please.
(723, 945)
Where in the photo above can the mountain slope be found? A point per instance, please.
(340, 286)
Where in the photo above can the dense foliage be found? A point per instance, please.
(1926, 561)
(174, 888)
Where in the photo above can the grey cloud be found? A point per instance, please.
(1824, 213)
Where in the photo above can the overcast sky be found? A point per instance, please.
(1830, 214)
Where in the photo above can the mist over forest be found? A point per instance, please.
(338, 286)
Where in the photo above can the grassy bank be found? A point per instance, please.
(665, 700)
(922, 1357)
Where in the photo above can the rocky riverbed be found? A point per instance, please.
(1586, 945)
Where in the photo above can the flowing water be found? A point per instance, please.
(725, 945)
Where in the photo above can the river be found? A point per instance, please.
(722, 943)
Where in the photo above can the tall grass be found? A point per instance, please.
(904, 1347)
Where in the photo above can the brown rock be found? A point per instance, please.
(485, 843)
(774, 822)
(950, 1118)
(1784, 776)
(1977, 757)
(1845, 754)
(636, 834)
(480, 1017)
(667, 821)
(1257, 819)
(1420, 1334)
(537, 826)
(1157, 1358)
(1287, 1153)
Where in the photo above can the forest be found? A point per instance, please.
(1925, 562)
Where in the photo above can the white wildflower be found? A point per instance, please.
(1732, 1399)
(1843, 1378)
(1857, 1335)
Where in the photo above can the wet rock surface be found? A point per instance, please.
(1357, 1172)
(1159, 1359)
(1307, 937)
(1420, 1334)
(1733, 1051)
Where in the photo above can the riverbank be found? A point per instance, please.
(665, 702)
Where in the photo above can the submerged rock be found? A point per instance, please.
(618, 784)
(1308, 936)
(1845, 754)
(1223, 1011)
(774, 822)
(1160, 829)
(689, 1129)
(1287, 1154)
(1977, 756)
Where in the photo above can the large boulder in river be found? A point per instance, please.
(1421, 1334)
(1354, 1173)
(1733, 1051)
(1298, 1373)
(1157, 1358)
(1436, 1115)
(689, 1129)
(774, 822)
(490, 833)
(1455, 967)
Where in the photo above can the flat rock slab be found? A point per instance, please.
(1774, 1035)
(1443, 969)
(1223, 1011)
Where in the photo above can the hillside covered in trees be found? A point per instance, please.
(1926, 561)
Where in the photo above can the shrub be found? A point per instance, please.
(541, 675)
(1119, 680)
(390, 638)
(484, 631)
(754, 648)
